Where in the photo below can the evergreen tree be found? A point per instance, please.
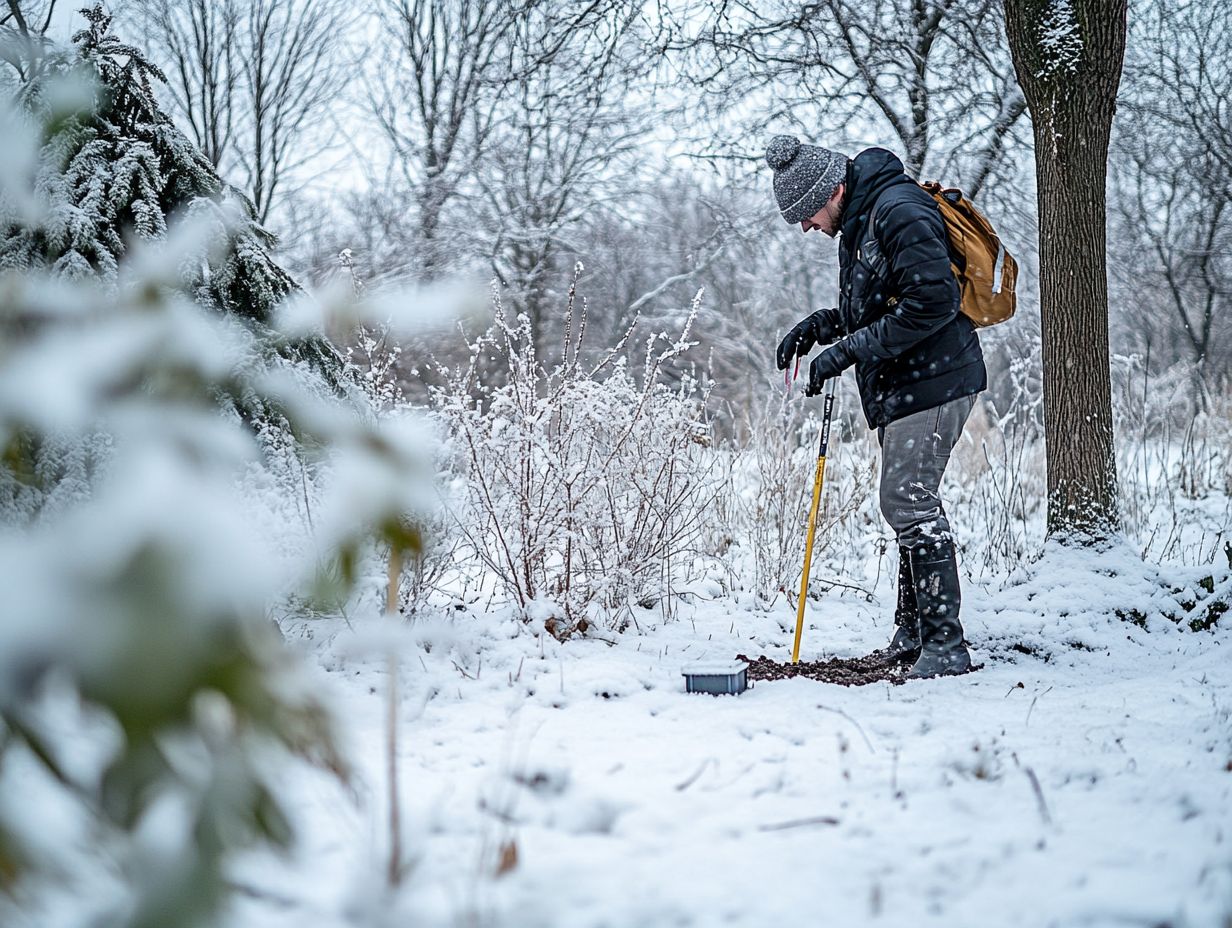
(117, 169)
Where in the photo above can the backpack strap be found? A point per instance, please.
(872, 217)
(880, 266)
(934, 189)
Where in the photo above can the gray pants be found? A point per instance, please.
(914, 453)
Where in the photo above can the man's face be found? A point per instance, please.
(828, 217)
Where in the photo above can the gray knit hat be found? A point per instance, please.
(805, 176)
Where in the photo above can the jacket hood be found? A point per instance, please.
(869, 175)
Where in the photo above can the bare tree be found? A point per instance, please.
(935, 74)
(22, 27)
(251, 82)
(1068, 55)
(28, 18)
(435, 103)
(680, 234)
(1172, 183)
(196, 41)
(291, 72)
(563, 149)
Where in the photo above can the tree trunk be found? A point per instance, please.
(1068, 56)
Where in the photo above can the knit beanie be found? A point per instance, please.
(805, 176)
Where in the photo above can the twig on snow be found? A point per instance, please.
(800, 823)
(1035, 786)
(681, 787)
(867, 742)
(1032, 707)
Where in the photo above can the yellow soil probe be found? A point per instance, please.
(812, 522)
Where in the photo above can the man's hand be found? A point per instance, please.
(830, 363)
(806, 333)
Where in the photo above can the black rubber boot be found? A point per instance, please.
(905, 645)
(934, 568)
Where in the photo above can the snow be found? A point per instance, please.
(1087, 786)
(1080, 777)
(1060, 40)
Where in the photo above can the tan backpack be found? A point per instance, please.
(989, 272)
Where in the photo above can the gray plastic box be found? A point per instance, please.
(719, 678)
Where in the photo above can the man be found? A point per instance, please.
(917, 358)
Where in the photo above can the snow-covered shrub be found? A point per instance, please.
(996, 486)
(146, 700)
(586, 486)
(1174, 460)
(145, 594)
(773, 480)
(431, 574)
(374, 353)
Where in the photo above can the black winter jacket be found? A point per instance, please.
(923, 351)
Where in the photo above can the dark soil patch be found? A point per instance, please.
(877, 667)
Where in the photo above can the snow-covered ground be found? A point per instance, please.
(1088, 783)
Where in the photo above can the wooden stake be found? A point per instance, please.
(395, 815)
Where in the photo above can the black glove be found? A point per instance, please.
(830, 363)
(809, 331)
